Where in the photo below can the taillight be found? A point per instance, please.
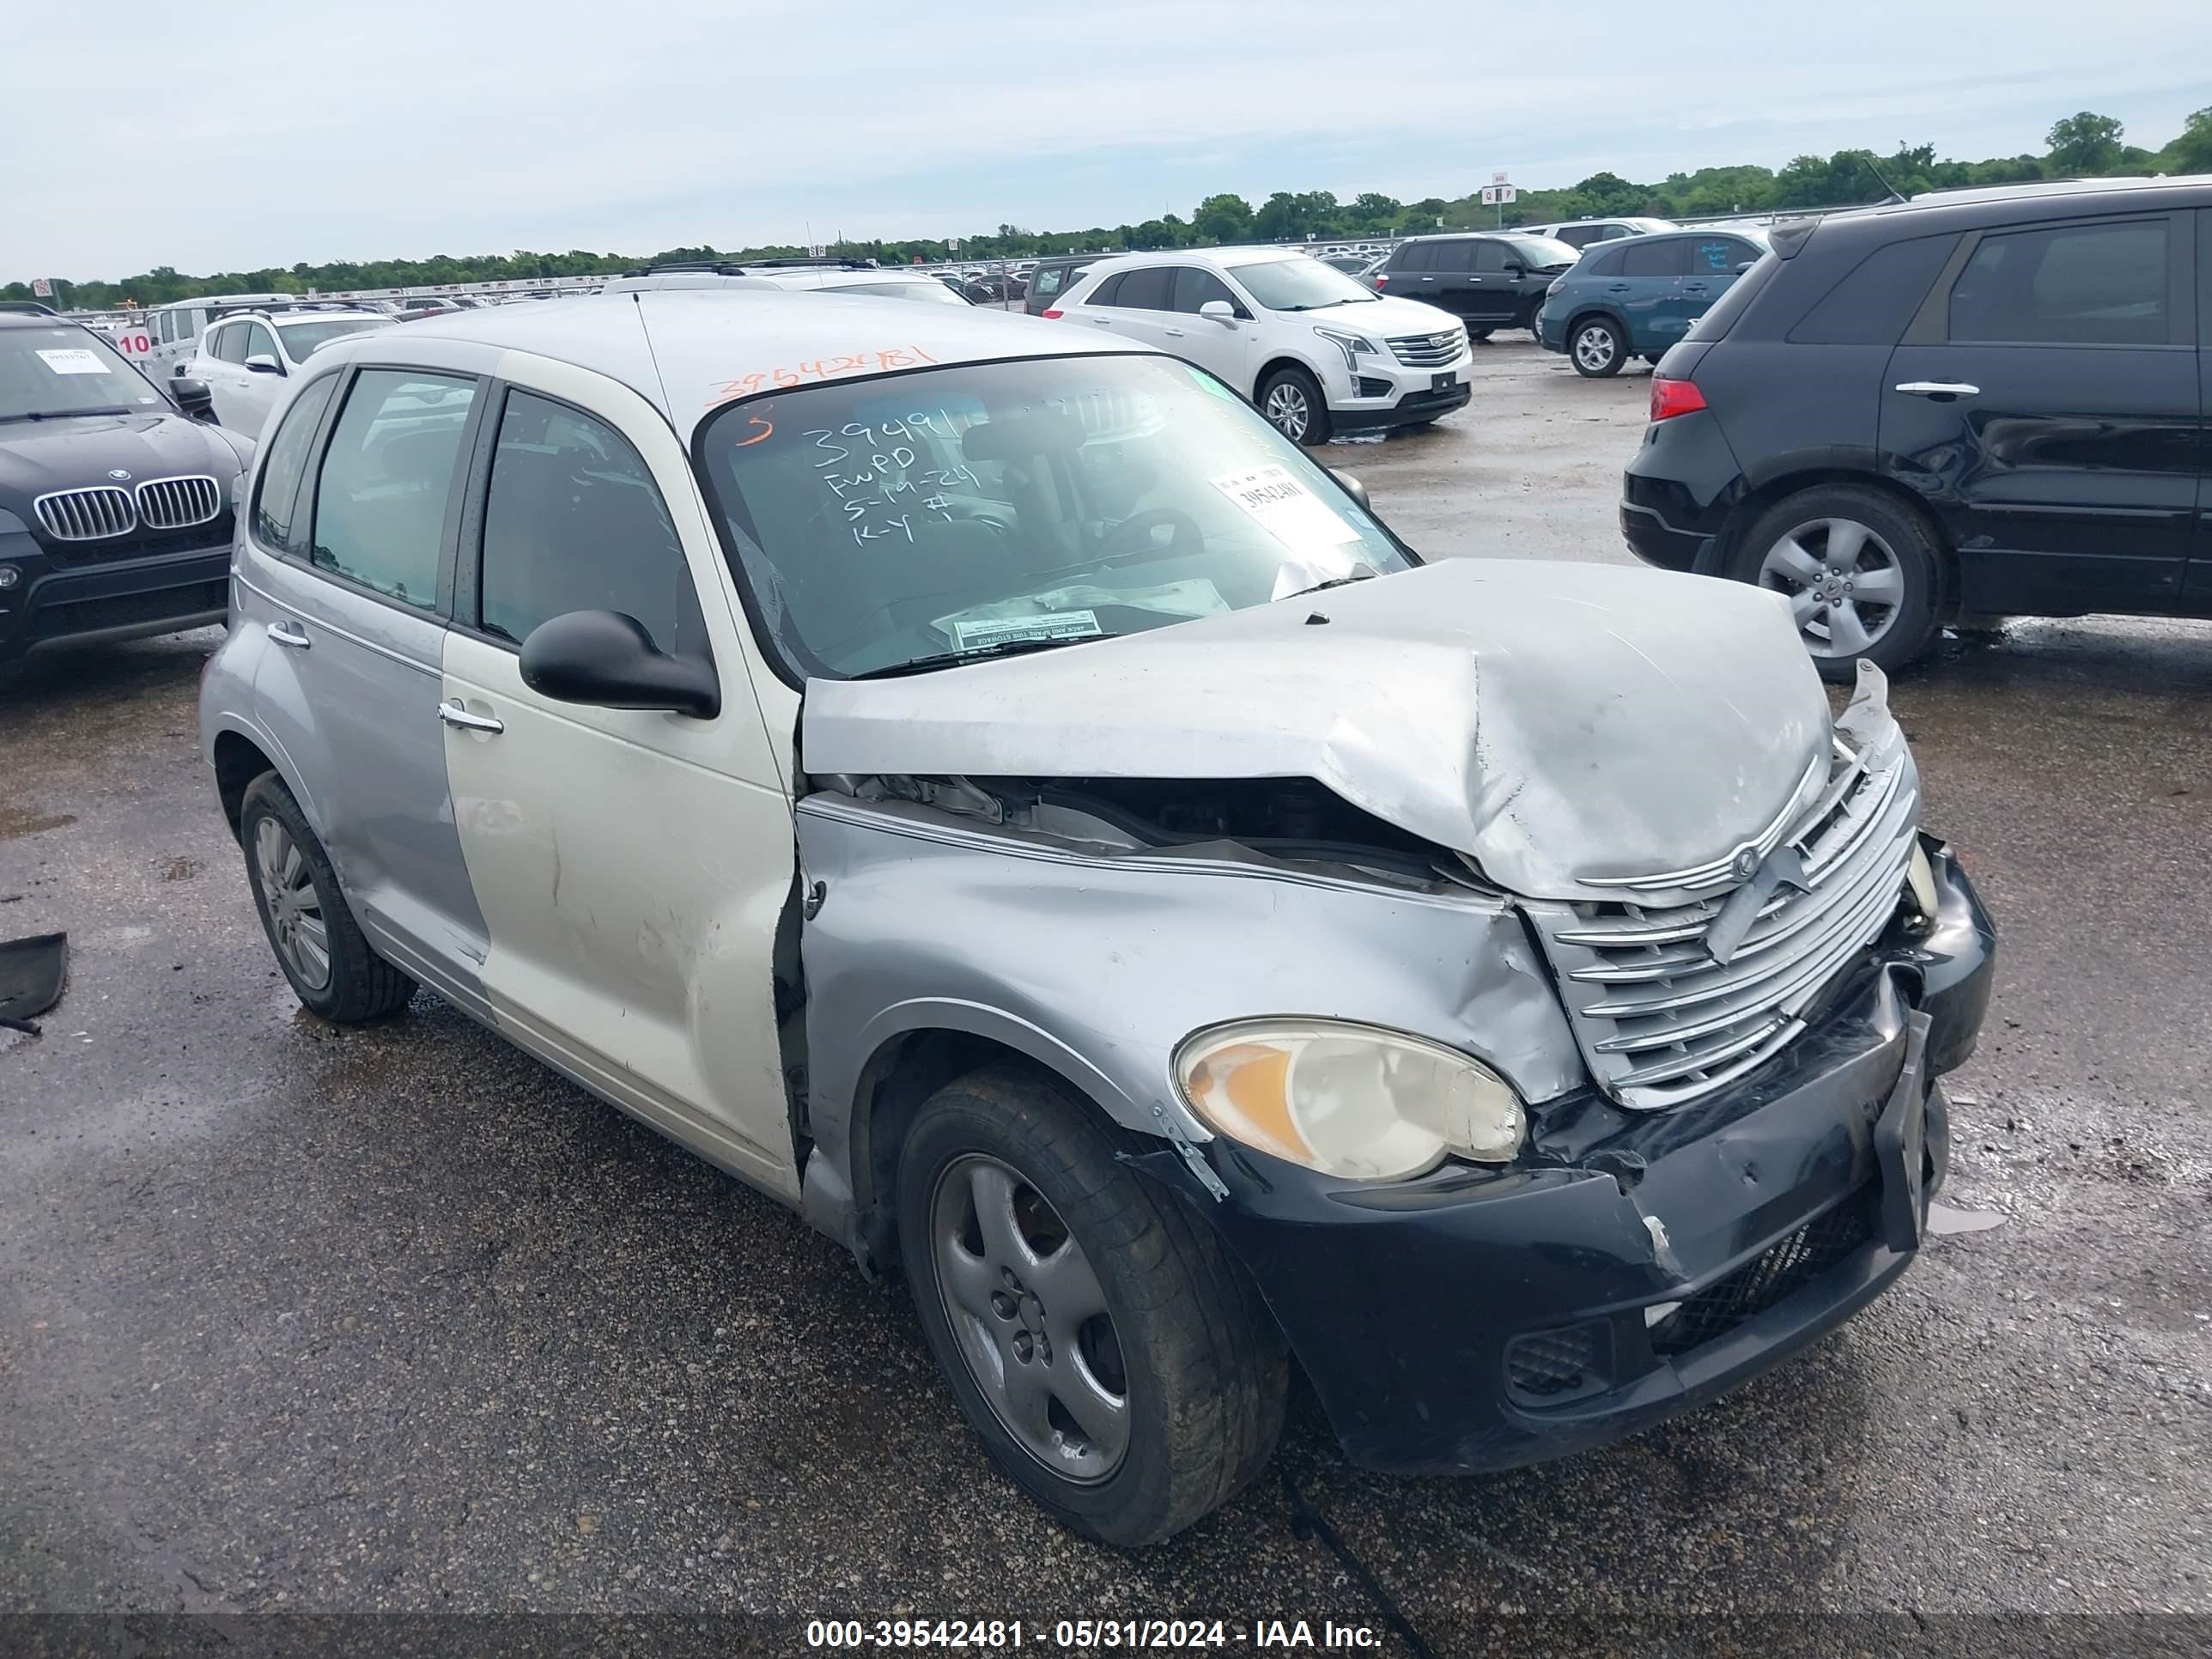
(1670, 398)
(1053, 312)
(1382, 280)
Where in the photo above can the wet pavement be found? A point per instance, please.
(294, 1318)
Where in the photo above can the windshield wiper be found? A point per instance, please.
(980, 654)
(1365, 573)
(62, 414)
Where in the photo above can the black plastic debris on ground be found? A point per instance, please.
(32, 974)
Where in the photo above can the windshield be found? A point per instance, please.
(929, 289)
(992, 505)
(301, 338)
(1298, 284)
(66, 370)
(1543, 252)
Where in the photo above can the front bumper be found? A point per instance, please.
(1477, 1318)
(1384, 392)
(114, 598)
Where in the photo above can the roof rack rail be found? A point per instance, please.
(739, 267)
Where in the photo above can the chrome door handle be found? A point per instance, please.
(1940, 389)
(453, 714)
(291, 634)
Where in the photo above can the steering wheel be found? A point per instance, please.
(1136, 532)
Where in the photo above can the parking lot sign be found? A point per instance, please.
(42, 287)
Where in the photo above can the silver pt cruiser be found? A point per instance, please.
(996, 795)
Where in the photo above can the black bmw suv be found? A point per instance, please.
(1979, 403)
(115, 499)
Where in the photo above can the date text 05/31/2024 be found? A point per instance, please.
(1084, 1634)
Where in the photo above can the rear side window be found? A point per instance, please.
(1646, 257)
(275, 523)
(1145, 290)
(1047, 280)
(386, 480)
(1104, 293)
(1721, 315)
(1453, 259)
(1604, 263)
(1413, 256)
(1878, 297)
(2071, 285)
(574, 522)
(1583, 235)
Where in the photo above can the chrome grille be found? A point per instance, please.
(1428, 350)
(177, 503)
(87, 515)
(1659, 1021)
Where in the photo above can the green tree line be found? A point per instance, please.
(2085, 145)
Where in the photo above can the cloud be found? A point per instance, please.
(263, 133)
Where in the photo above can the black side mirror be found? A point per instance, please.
(1515, 268)
(1352, 487)
(194, 399)
(606, 660)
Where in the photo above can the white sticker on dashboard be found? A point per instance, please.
(75, 360)
(973, 635)
(1282, 506)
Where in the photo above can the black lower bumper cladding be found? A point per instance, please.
(1631, 1265)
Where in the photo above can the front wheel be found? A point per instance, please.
(1596, 348)
(1860, 570)
(1117, 1364)
(1290, 399)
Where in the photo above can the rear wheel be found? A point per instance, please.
(1528, 321)
(1117, 1364)
(321, 949)
(1290, 399)
(1596, 348)
(1861, 573)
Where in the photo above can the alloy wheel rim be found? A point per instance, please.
(296, 925)
(1844, 582)
(1594, 347)
(1286, 408)
(1028, 1315)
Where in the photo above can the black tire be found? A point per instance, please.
(1896, 538)
(1596, 347)
(1528, 322)
(1203, 1371)
(1477, 336)
(1276, 405)
(359, 985)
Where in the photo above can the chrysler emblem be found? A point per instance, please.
(118, 474)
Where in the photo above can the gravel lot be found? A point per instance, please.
(395, 1321)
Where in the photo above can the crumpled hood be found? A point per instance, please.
(1557, 723)
(73, 452)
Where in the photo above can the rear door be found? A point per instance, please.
(1141, 305)
(2045, 401)
(2196, 587)
(353, 592)
(632, 865)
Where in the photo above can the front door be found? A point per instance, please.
(1492, 297)
(1221, 347)
(2044, 402)
(346, 582)
(632, 865)
(261, 378)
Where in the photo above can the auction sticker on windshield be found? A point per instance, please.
(1279, 504)
(75, 360)
(983, 632)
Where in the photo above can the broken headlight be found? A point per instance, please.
(1920, 882)
(1348, 1100)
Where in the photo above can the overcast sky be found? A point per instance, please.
(250, 134)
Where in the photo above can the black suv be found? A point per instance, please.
(1490, 282)
(115, 510)
(1980, 403)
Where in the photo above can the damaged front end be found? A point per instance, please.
(1687, 923)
